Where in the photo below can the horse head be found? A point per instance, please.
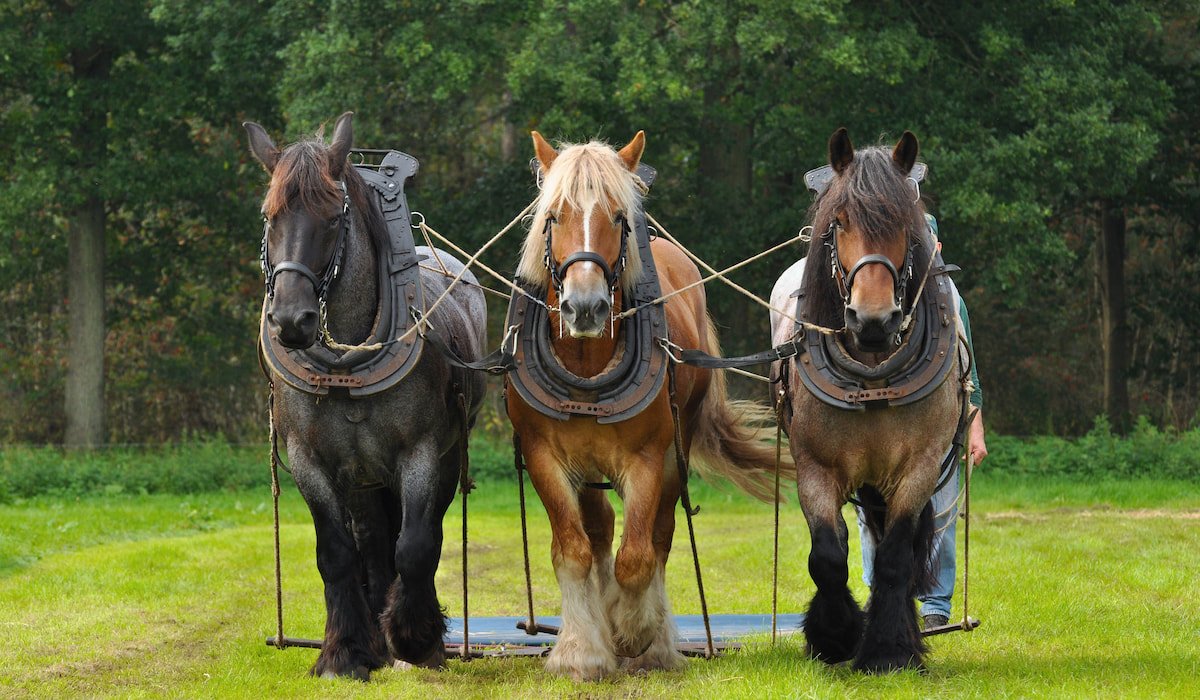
(306, 215)
(579, 246)
(872, 226)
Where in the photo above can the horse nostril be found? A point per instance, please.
(852, 318)
(601, 308)
(306, 321)
(893, 322)
(565, 307)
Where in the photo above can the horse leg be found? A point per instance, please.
(412, 620)
(598, 521)
(375, 524)
(892, 639)
(662, 653)
(582, 649)
(352, 644)
(638, 613)
(833, 624)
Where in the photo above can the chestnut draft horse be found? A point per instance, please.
(618, 607)
(872, 264)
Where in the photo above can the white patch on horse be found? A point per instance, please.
(582, 650)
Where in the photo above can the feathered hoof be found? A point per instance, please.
(579, 666)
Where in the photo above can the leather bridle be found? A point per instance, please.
(322, 283)
(559, 271)
(845, 281)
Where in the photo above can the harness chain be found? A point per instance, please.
(682, 465)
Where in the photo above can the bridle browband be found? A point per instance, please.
(559, 271)
(845, 281)
(320, 284)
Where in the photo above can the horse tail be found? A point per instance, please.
(874, 510)
(735, 439)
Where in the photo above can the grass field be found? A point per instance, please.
(1084, 589)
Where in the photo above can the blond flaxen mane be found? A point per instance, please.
(582, 176)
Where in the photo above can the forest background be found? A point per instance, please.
(1061, 139)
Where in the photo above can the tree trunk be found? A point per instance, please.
(1114, 327)
(85, 331)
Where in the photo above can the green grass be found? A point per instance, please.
(1084, 589)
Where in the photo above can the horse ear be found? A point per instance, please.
(343, 139)
(544, 151)
(841, 151)
(905, 153)
(631, 155)
(261, 146)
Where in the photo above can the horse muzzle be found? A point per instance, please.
(585, 316)
(296, 329)
(874, 331)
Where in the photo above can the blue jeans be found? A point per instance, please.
(945, 511)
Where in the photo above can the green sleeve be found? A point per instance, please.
(977, 395)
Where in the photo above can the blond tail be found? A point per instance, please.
(736, 439)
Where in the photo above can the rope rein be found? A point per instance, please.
(274, 447)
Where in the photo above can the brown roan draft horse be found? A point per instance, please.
(617, 607)
(871, 249)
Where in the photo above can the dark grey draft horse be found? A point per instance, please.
(378, 471)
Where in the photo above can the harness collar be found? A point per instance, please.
(362, 372)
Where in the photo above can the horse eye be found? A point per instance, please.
(333, 222)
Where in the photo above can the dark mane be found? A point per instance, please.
(301, 181)
(877, 199)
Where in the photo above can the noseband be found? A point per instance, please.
(320, 284)
(845, 281)
(559, 272)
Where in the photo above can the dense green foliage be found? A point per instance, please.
(1033, 116)
(217, 466)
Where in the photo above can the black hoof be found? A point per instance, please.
(833, 628)
(414, 631)
(345, 662)
(892, 664)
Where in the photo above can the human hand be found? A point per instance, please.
(976, 444)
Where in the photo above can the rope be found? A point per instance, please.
(419, 326)
(489, 290)
(714, 275)
(775, 553)
(681, 464)
(966, 621)
(751, 375)
(696, 259)
(279, 643)
(531, 626)
(496, 275)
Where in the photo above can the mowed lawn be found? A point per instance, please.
(1084, 589)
